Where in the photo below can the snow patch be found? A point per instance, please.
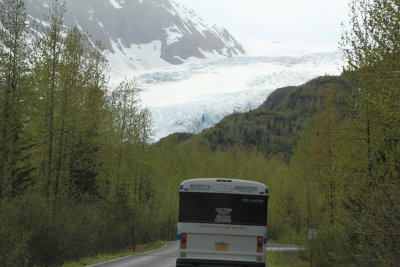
(128, 61)
(189, 16)
(116, 4)
(173, 34)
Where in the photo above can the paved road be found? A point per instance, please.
(166, 257)
(283, 247)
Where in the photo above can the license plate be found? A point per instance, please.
(221, 246)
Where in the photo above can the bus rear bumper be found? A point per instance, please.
(212, 263)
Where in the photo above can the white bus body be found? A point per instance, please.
(222, 222)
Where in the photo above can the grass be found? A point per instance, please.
(285, 259)
(107, 257)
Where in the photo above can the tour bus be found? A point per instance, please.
(222, 222)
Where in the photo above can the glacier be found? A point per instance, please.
(198, 94)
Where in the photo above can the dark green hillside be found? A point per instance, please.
(275, 126)
(270, 131)
(176, 137)
(300, 102)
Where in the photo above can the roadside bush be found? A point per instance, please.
(35, 232)
(332, 247)
(13, 241)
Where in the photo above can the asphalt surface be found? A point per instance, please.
(166, 257)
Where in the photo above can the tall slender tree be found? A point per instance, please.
(88, 117)
(14, 98)
(49, 51)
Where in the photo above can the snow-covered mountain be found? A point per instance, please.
(142, 34)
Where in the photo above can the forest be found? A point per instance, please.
(78, 176)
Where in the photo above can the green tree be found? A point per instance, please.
(373, 64)
(128, 176)
(47, 69)
(70, 100)
(15, 169)
(327, 152)
(303, 165)
(90, 121)
(80, 117)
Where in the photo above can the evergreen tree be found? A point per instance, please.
(15, 169)
(90, 120)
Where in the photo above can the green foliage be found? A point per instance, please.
(333, 246)
(275, 126)
(15, 170)
(284, 259)
(37, 233)
(13, 241)
(77, 177)
(373, 64)
(69, 110)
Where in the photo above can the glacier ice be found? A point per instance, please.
(195, 96)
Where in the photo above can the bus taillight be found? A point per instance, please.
(260, 244)
(183, 241)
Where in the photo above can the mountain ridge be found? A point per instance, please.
(144, 33)
(274, 127)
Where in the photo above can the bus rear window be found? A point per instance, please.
(223, 208)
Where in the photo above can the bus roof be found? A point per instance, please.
(223, 185)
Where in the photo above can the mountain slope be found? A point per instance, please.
(275, 126)
(144, 33)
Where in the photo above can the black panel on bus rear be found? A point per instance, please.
(223, 208)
